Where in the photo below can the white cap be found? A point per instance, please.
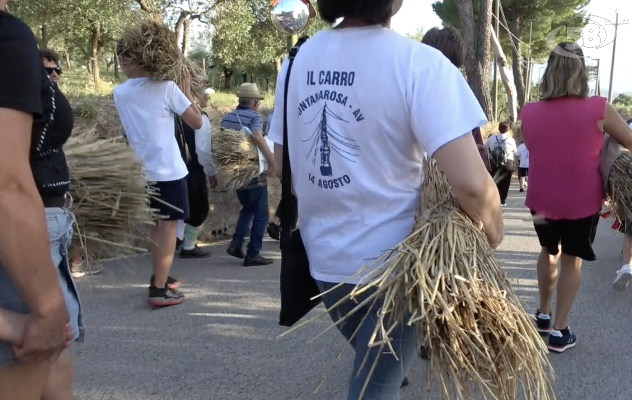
(209, 91)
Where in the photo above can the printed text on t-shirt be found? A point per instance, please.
(330, 136)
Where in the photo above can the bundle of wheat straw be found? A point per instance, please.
(620, 187)
(154, 48)
(111, 198)
(236, 158)
(444, 281)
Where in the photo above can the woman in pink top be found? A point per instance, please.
(564, 134)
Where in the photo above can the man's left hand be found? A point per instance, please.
(212, 182)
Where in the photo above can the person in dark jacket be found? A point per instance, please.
(196, 148)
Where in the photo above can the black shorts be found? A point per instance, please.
(174, 194)
(522, 172)
(574, 235)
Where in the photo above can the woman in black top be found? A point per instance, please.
(35, 122)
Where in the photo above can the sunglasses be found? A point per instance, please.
(49, 71)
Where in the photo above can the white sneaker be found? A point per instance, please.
(80, 270)
(624, 275)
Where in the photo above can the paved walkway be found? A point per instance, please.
(222, 344)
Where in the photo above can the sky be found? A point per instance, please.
(417, 14)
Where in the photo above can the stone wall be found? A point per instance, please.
(224, 212)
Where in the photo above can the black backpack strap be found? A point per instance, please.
(286, 216)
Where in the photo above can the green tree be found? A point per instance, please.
(624, 100)
(244, 40)
(418, 36)
(542, 16)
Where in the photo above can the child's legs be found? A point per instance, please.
(163, 235)
(59, 383)
(24, 381)
(163, 244)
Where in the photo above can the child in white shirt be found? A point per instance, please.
(147, 108)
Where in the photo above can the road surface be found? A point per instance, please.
(223, 344)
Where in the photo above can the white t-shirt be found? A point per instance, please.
(364, 106)
(506, 142)
(147, 109)
(523, 156)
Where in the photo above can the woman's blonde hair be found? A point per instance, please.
(566, 74)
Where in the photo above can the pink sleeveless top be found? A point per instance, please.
(564, 142)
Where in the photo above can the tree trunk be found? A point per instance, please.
(228, 75)
(505, 75)
(45, 37)
(94, 41)
(517, 60)
(278, 62)
(478, 49)
(267, 84)
(245, 76)
(180, 23)
(116, 67)
(68, 62)
(252, 77)
(186, 36)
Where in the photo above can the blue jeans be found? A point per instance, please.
(59, 222)
(254, 202)
(390, 371)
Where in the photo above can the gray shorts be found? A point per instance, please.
(59, 223)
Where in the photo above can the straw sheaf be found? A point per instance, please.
(444, 280)
(111, 198)
(153, 47)
(236, 157)
(620, 199)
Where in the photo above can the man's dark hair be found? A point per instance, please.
(503, 127)
(449, 42)
(373, 12)
(50, 55)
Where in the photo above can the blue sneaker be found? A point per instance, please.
(560, 341)
(543, 322)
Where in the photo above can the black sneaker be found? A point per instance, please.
(274, 231)
(235, 251)
(257, 261)
(521, 190)
(559, 344)
(423, 353)
(195, 252)
(405, 382)
(179, 244)
(164, 297)
(172, 283)
(542, 323)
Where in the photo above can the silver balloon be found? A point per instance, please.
(289, 17)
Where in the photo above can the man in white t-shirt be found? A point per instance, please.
(502, 149)
(523, 168)
(147, 109)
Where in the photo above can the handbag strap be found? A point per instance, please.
(286, 181)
